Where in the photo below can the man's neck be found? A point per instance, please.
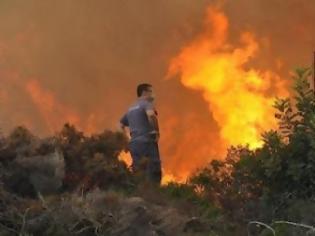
(142, 98)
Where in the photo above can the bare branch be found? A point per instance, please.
(260, 223)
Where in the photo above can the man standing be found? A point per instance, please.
(141, 119)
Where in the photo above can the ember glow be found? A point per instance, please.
(238, 97)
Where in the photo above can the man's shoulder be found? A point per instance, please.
(137, 105)
(143, 103)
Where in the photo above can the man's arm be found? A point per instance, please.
(124, 128)
(124, 124)
(152, 117)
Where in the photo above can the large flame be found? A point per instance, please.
(240, 99)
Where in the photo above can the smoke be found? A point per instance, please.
(79, 61)
(284, 29)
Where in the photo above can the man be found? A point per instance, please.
(141, 119)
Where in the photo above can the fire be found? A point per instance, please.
(239, 96)
(168, 178)
(125, 157)
(53, 112)
(240, 99)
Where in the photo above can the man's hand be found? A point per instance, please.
(125, 130)
(156, 135)
(154, 123)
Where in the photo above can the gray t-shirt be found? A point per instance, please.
(137, 120)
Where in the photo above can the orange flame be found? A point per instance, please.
(125, 157)
(53, 112)
(240, 99)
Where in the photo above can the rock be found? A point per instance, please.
(194, 224)
(30, 175)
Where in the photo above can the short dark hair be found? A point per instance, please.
(141, 88)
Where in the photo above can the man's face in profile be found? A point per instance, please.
(150, 94)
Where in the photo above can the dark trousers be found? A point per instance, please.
(146, 158)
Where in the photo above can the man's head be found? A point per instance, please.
(145, 91)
